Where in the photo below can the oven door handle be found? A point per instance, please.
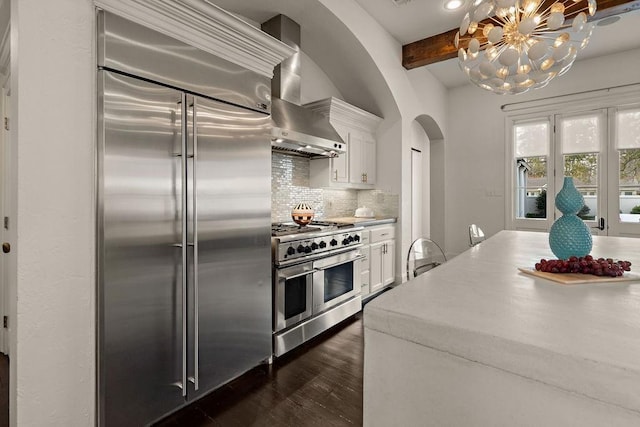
(355, 258)
(293, 276)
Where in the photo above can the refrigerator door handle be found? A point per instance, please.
(194, 214)
(185, 248)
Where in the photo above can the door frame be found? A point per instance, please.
(5, 192)
(608, 99)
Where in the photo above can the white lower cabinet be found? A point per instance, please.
(381, 258)
(365, 270)
(382, 264)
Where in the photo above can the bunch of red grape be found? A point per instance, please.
(585, 265)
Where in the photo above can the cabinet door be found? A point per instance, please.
(362, 158)
(356, 142)
(388, 262)
(340, 164)
(375, 263)
(369, 159)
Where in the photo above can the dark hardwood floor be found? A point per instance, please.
(317, 384)
(4, 390)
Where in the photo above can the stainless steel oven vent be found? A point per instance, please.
(295, 128)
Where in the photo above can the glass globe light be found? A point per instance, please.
(513, 46)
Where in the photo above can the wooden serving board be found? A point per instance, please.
(579, 278)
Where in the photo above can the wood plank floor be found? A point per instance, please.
(4, 390)
(317, 384)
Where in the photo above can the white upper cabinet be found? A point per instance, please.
(356, 168)
(340, 165)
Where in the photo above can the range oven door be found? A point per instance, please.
(293, 295)
(337, 279)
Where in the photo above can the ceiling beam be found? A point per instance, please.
(440, 47)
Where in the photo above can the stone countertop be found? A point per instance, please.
(583, 339)
(366, 222)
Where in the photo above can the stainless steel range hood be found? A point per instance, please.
(296, 130)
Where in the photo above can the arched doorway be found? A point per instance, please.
(427, 179)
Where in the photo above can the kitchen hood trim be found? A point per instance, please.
(208, 28)
(287, 140)
(337, 110)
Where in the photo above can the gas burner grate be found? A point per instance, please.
(331, 224)
(280, 229)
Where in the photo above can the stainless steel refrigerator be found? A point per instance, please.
(184, 261)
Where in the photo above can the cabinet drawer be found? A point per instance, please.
(382, 233)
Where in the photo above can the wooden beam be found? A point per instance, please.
(440, 47)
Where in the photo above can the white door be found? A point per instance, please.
(375, 271)
(624, 171)
(581, 152)
(600, 149)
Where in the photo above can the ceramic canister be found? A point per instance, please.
(302, 214)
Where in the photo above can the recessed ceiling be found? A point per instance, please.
(414, 20)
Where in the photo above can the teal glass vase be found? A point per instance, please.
(569, 235)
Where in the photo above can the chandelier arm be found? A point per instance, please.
(546, 12)
(572, 14)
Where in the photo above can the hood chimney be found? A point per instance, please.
(296, 129)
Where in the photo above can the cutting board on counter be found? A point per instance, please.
(579, 278)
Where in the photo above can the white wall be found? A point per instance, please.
(315, 84)
(475, 144)
(53, 105)
(414, 94)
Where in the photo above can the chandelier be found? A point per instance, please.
(513, 46)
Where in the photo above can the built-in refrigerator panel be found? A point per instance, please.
(141, 51)
(183, 226)
(140, 298)
(233, 211)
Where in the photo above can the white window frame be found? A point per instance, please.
(531, 111)
(515, 223)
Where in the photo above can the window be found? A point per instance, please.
(628, 151)
(531, 150)
(598, 147)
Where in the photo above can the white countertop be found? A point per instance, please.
(581, 338)
(364, 221)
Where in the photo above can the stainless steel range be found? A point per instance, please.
(316, 280)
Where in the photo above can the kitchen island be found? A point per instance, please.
(476, 342)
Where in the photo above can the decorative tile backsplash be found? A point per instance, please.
(383, 204)
(290, 186)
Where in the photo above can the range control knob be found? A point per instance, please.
(300, 249)
(350, 239)
(291, 251)
(356, 238)
(323, 244)
(307, 249)
(333, 242)
(314, 246)
(345, 242)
